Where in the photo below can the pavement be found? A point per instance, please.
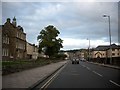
(27, 78)
(106, 65)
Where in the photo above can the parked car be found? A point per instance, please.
(75, 61)
(83, 60)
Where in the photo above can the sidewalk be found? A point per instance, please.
(27, 78)
(106, 65)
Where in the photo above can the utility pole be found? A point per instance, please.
(109, 37)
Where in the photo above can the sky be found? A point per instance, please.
(78, 22)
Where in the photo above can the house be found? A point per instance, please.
(100, 52)
(13, 40)
(104, 51)
(115, 51)
(32, 51)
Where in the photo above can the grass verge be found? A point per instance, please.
(9, 67)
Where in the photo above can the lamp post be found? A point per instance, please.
(109, 36)
(89, 50)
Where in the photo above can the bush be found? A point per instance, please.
(61, 56)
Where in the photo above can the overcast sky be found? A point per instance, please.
(76, 21)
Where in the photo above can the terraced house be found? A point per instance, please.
(13, 40)
(32, 51)
(105, 51)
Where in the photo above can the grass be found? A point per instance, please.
(20, 65)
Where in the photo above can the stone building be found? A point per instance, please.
(105, 51)
(32, 51)
(115, 52)
(13, 41)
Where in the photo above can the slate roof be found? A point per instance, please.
(106, 47)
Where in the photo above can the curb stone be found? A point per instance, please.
(43, 79)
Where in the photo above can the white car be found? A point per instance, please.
(83, 59)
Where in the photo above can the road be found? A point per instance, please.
(85, 75)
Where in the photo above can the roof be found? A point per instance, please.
(16, 27)
(114, 46)
(1, 26)
(32, 44)
(101, 48)
(106, 47)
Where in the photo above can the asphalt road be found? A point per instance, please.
(85, 75)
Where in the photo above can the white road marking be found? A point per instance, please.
(88, 68)
(83, 65)
(50, 80)
(73, 71)
(75, 74)
(114, 83)
(97, 73)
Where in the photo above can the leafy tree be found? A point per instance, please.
(48, 42)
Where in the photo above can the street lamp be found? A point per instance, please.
(109, 36)
(89, 50)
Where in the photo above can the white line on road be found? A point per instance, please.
(114, 83)
(83, 65)
(88, 68)
(50, 80)
(97, 73)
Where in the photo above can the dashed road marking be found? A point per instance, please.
(114, 83)
(88, 68)
(83, 65)
(97, 73)
(75, 74)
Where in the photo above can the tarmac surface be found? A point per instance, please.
(28, 78)
(85, 75)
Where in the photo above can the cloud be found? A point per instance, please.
(81, 43)
(76, 21)
(59, 0)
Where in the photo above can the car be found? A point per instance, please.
(75, 61)
(84, 60)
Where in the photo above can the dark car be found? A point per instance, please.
(75, 61)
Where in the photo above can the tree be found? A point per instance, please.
(48, 42)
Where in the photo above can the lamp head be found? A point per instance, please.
(104, 15)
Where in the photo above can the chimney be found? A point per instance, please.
(14, 22)
(8, 20)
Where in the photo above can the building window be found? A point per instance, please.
(8, 41)
(24, 46)
(5, 39)
(5, 52)
(113, 54)
(17, 34)
(113, 49)
(16, 45)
